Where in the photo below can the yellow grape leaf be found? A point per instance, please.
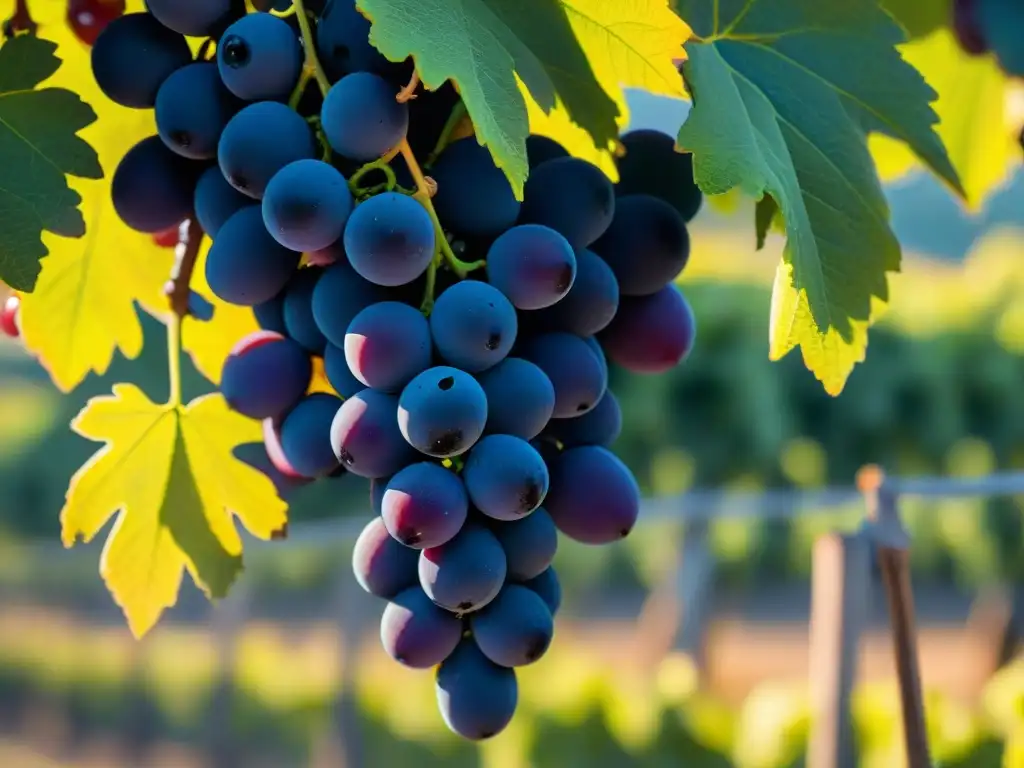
(972, 117)
(83, 307)
(169, 475)
(557, 125)
(208, 342)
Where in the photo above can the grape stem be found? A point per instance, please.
(377, 165)
(190, 237)
(21, 21)
(300, 88)
(409, 90)
(312, 62)
(457, 114)
(423, 195)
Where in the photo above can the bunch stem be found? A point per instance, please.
(309, 44)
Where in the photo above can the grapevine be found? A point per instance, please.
(420, 269)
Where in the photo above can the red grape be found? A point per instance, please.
(87, 18)
(168, 238)
(9, 316)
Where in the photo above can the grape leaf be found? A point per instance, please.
(39, 148)
(169, 474)
(972, 117)
(573, 56)
(919, 17)
(83, 307)
(784, 93)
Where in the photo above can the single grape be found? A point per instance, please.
(133, 56)
(259, 57)
(258, 142)
(306, 205)
(473, 325)
(343, 42)
(573, 368)
(297, 309)
(265, 374)
(325, 257)
(339, 296)
(270, 314)
(646, 246)
(417, 633)
(529, 544)
(195, 18)
(1001, 25)
(594, 498)
(258, 456)
(87, 18)
(387, 344)
(361, 118)
(520, 398)
(531, 264)
(474, 198)
(476, 697)
(168, 238)
(378, 486)
(424, 505)
(245, 265)
(339, 375)
(442, 412)
(652, 166)
(515, 629)
(548, 588)
(598, 351)
(651, 334)
(215, 201)
(275, 453)
(389, 239)
(152, 187)
(192, 108)
(306, 434)
(199, 307)
(465, 573)
(541, 148)
(601, 426)
(591, 302)
(382, 566)
(571, 196)
(967, 29)
(366, 438)
(505, 477)
(10, 322)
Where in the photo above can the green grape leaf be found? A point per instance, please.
(170, 475)
(39, 148)
(785, 93)
(972, 107)
(920, 17)
(571, 56)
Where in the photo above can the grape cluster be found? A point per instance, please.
(465, 334)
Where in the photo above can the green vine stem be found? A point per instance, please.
(309, 44)
(300, 87)
(423, 195)
(381, 165)
(190, 238)
(458, 112)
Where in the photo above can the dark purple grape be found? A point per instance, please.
(417, 633)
